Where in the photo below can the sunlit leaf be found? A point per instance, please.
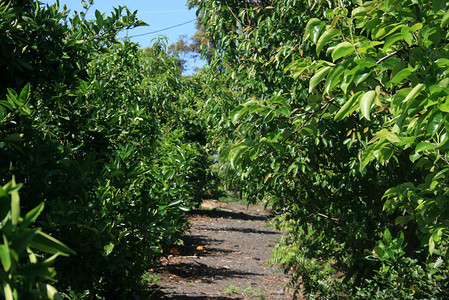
(346, 109)
(325, 38)
(318, 77)
(366, 102)
(342, 49)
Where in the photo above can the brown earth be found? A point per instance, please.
(232, 263)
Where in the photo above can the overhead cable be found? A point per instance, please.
(153, 32)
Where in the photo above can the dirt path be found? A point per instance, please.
(232, 265)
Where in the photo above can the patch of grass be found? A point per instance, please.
(232, 289)
(247, 292)
(232, 196)
(148, 278)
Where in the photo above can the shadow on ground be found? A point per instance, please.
(218, 213)
(207, 274)
(161, 295)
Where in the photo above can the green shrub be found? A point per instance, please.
(88, 135)
(27, 267)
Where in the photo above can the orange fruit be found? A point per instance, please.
(200, 248)
(174, 251)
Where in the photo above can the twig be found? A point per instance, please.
(305, 123)
(235, 17)
(155, 291)
(387, 57)
(327, 217)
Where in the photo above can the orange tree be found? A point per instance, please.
(335, 113)
(97, 129)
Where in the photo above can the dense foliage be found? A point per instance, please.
(98, 130)
(335, 113)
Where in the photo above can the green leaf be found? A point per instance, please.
(434, 123)
(414, 92)
(32, 215)
(438, 263)
(359, 12)
(369, 152)
(5, 257)
(365, 103)
(342, 49)
(36, 269)
(346, 109)
(24, 95)
(7, 291)
(431, 245)
(445, 19)
(333, 79)
(442, 62)
(360, 77)
(325, 38)
(402, 220)
(387, 30)
(438, 5)
(238, 112)
(401, 75)
(312, 29)
(22, 240)
(48, 244)
(405, 32)
(443, 104)
(14, 137)
(391, 40)
(437, 234)
(175, 203)
(296, 68)
(99, 18)
(318, 77)
(387, 236)
(366, 156)
(236, 153)
(423, 146)
(269, 117)
(108, 248)
(416, 27)
(15, 203)
(283, 111)
(279, 100)
(50, 291)
(390, 136)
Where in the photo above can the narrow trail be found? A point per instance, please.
(233, 262)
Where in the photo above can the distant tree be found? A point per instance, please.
(198, 46)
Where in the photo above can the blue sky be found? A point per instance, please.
(158, 14)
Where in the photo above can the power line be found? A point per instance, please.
(161, 11)
(153, 32)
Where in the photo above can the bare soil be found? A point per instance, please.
(224, 257)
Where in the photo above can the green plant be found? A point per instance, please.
(101, 132)
(249, 291)
(334, 112)
(27, 267)
(149, 278)
(232, 289)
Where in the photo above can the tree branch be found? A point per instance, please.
(305, 123)
(235, 17)
(387, 57)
